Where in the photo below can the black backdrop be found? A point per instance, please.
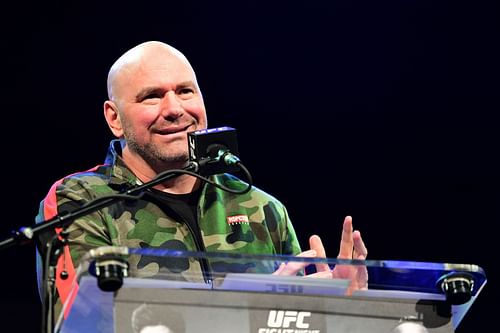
(383, 110)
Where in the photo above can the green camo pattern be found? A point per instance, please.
(143, 224)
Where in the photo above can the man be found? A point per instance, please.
(154, 101)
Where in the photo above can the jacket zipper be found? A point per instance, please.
(200, 247)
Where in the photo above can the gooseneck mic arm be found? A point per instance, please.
(27, 234)
(211, 151)
(54, 247)
(216, 157)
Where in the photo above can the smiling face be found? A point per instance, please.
(154, 102)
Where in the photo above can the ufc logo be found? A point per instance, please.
(192, 148)
(283, 319)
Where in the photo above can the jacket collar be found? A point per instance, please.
(121, 177)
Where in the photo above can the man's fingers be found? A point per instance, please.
(293, 267)
(346, 242)
(316, 244)
(320, 275)
(363, 278)
(360, 251)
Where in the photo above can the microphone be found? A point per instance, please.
(214, 150)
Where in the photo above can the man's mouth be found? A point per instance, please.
(173, 129)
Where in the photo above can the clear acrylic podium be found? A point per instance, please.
(239, 293)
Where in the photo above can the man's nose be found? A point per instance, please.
(171, 106)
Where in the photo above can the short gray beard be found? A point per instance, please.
(153, 156)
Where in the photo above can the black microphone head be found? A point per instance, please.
(215, 150)
(207, 145)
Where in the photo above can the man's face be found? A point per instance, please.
(159, 102)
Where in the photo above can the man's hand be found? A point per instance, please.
(351, 247)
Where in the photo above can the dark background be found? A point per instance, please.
(383, 110)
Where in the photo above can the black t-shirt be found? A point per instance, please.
(183, 207)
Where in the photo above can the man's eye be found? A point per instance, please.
(185, 91)
(151, 96)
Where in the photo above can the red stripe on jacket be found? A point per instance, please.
(64, 262)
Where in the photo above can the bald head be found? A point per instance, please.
(135, 57)
(154, 101)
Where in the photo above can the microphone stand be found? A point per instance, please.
(26, 234)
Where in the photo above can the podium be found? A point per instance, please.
(243, 295)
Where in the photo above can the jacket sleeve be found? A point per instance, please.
(84, 233)
(290, 243)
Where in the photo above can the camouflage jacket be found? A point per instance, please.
(250, 223)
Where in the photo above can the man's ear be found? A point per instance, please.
(113, 118)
